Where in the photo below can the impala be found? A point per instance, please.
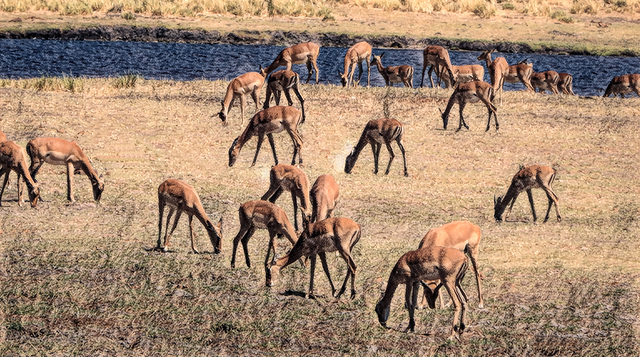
(437, 57)
(263, 215)
(565, 83)
(248, 83)
(625, 84)
(471, 92)
(285, 177)
(498, 70)
(282, 81)
(375, 133)
(462, 74)
(394, 74)
(324, 194)
(358, 53)
(463, 236)
(181, 197)
(545, 81)
(268, 122)
(306, 53)
(326, 236)
(56, 151)
(520, 73)
(12, 158)
(430, 262)
(534, 176)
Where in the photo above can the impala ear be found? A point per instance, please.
(382, 54)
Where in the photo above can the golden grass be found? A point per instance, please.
(77, 279)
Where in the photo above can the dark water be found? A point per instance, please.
(180, 61)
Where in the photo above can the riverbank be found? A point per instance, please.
(587, 35)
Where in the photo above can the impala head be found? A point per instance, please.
(263, 72)
(223, 115)
(34, 195)
(233, 152)
(383, 313)
(486, 55)
(445, 118)
(343, 78)
(350, 161)
(431, 292)
(498, 208)
(215, 235)
(98, 187)
(377, 59)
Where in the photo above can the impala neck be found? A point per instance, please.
(488, 59)
(512, 192)
(227, 100)
(88, 170)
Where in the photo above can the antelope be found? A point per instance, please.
(528, 177)
(394, 74)
(498, 70)
(248, 83)
(282, 81)
(263, 215)
(298, 54)
(358, 53)
(544, 81)
(471, 92)
(324, 194)
(437, 57)
(12, 157)
(565, 83)
(375, 133)
(463, 236)
(285, 177)
(326, 236)
(462, 74)
(181, 197)
(431, 262)
(520, 73)
(270, 121)
(625, 84)
(56, 151)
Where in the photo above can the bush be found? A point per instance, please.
(127, 81)
(484, 10)
(508, 6)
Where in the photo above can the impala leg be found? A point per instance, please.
(255, 94)
(461, 105)
(404, 157)
(160, 214)
(533, 209)
(173, 228)
(513, 201)
(288, 96)
(297, 92)
(243, 102)
(244, 228)
(277, 95)
(20, 189)
(325, 267)
(295, 210)
(455, 298)
(473, 255)
(429, 74)
(255, 157)
(273, 147)
(70, 181)
(409, 303)
(553, 199)
(192, 235)
(375, 147)
(268, 98)
(297, 146)
(34, 168)
(5, 172)
(310, 294)
(245, 245)
(315, 66)
(272, 247)
(391, 156)
(351, 271)
(310, 70)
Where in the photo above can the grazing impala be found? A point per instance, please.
(437, 57)
(545, 81)
(326, 236)
(565, 83)
(394, 74)
(498, 70)
(534, 176)
(285, 177)
(324, 194)
(306, 53)
(463, 236)
(181, 197)
(56, 151)
(431, 262)
(471, 92)
(375, 133)
(248, 83)
(263, 215)
(520, 73)
(462, 74)
(358, 53)
(282, 81)
(267, 122)
(625, 84)
(12, 158)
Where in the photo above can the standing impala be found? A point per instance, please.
(498, 70)
(565, 83)
(375, 133)
(437, 57)
(324, 194)
(358, 53)
(462, 74)
(267, 122)
(625, 84)
(306, 53)
(534, 176)
(520, 73)
(326, 236)
(56, 151)
(394, 74)
(282, 81)
(430, 262)
(181, 197)
(545, 81)
(285, 177)
(471, 92)
(248, 83)
(12, 158)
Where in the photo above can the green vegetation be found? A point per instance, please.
(82, 279)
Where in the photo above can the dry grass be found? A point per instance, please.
(78, 279)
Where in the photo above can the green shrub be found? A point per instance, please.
(508, 6)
